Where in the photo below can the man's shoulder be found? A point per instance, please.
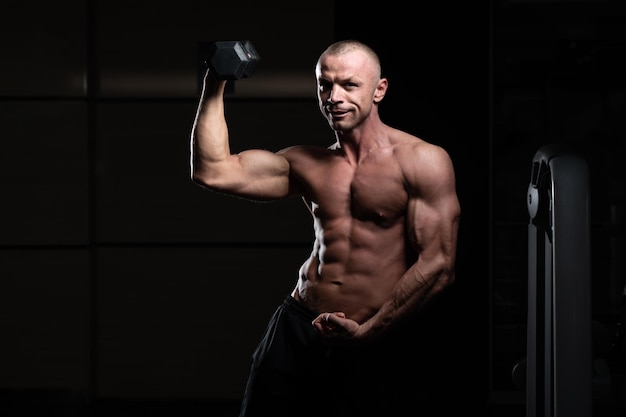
(416, 153)
(407, 142)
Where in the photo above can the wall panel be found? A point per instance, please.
(44, 173)
(43, 48)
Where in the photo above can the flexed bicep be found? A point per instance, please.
(253, 174)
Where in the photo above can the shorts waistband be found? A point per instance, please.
(298, 308)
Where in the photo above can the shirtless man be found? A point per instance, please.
(385, 214)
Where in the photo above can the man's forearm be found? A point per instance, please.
(414, 291)
(209, 137)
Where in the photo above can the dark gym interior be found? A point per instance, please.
(125, 290)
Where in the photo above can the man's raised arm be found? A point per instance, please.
(255, 174)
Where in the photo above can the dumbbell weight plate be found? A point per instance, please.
(232, 60)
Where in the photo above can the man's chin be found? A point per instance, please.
(339, 126)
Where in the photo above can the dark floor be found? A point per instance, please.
(64, 403)
(54, 404)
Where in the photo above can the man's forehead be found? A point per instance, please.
(345, 65)
(330, 73)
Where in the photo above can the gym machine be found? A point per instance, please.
(559, 337)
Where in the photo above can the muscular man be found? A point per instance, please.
(385, 214)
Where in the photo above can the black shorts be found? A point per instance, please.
(295, 374)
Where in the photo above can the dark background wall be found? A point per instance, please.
(121, 283)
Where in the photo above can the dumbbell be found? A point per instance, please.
(232, 60)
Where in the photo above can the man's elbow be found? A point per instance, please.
(449, 278)
(201, 176)
(447, 275)
(197, 180)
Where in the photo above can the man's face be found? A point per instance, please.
(346, 85)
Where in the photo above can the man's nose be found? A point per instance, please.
(333, 96)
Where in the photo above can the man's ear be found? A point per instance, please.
(381, 90)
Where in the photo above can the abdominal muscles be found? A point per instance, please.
(353, 272)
